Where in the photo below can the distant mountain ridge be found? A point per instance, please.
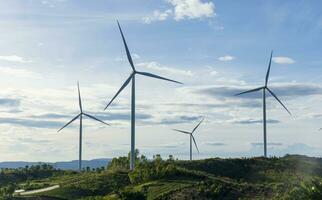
(73, 165)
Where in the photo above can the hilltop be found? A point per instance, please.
(288, 177)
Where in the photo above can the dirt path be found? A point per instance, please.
(39, 190)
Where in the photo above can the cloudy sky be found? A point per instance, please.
(216, 48)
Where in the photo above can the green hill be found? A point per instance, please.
(288, 177)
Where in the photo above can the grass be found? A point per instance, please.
(160, 188)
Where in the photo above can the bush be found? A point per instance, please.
(132, 195)
(311, 190)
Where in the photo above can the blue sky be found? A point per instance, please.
(217, 48)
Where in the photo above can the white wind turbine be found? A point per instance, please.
(192, 138)
(265, 88)
(132, 78)
(80, 116)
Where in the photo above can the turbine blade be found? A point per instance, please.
(197, 125)
(185, 132)
(249, 91)
(128, 54)
(272, 93)
(120, 90)
(90, 116)
(194, 141)
(269, 68)
(69, 122)
(158, 77)
(79, 98)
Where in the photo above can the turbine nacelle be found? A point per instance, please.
(265, 87)
(191, 133)
(134, 71)
(270, 91)
(81, 113)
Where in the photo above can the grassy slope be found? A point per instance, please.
(255, 178)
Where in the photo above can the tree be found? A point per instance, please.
(10, 189)
(88, 169)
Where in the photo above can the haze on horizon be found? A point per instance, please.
(216, 48)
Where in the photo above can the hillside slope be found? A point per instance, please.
(288, 177)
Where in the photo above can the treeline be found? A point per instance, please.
(27, 173)
(147, 170)
(10, 178)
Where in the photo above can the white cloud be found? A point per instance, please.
(23, 73)
(192, 9)
(40, 44)
(156, 66)
(135, 56)
(157, 16)
(283, 60)
(183, 9)
(226, 58)
(51, 3)
(213, 73)
(14, 58)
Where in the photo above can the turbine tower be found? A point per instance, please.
(80, 116)
(132, 78)
(191, 137)
(264, 89)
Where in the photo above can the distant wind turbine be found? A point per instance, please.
(191, 137)
(264, 88)
(80, 116)
(132, 78)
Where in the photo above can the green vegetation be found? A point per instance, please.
(289, 177)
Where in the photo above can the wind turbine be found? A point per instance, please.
(80, 116)
(132, 78)
(264, 89)
(191, 137)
